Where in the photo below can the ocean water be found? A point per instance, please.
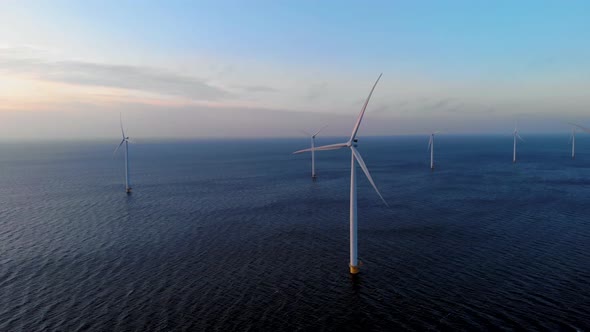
(232, 235)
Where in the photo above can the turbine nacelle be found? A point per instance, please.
(515, 133)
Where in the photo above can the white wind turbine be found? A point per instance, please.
(431, 148)
(573, 141)
(313, 175)
(516, 135)
(574, 137)
(126, 141)
(355, 155)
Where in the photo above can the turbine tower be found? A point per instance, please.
(516, 135)
(313, 175)
(354, 156)
(431, 149)
(126, 141)
(573, 140)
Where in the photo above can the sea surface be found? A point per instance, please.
(233, 235)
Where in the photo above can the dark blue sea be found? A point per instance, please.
(232, 235)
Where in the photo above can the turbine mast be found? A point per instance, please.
(574, 143)
(432, 151)
(313, 157)
(127, 188)
(514, 151)
(354, 265)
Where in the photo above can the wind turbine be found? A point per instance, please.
(313, 175)
(126, 141)
(574, 136)
(431, 149)
(573, 141)
(516, 135)
(355, 155)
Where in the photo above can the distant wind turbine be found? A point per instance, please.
(355, 155)
(313, 136)
(431, 149)
(573, 141)
(516, 135)
(587, 130)
(126, 141)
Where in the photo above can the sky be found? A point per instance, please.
(191, 69)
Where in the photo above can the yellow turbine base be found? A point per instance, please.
(354, 269)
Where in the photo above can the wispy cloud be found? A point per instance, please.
(441, 104)
(256, 88)
(146, 79)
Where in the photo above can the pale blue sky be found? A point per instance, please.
(270, 68)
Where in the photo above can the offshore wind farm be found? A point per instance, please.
(233, 242)
(208, 220)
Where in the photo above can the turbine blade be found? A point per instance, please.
(324, 148)
(581, 127)
(518, 135)
(429, 143)
(361, 162)
(305, 133)
(360, 117)
(118, 146)
(314, 135)
(121, 121)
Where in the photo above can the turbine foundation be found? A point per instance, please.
(354, 269)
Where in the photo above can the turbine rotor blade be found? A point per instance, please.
(305, 133)
(429, 143)
(121, 121)
(517, 135)
(118, 146)
(360, 117)
(314, 135)
(361, 162)
(324, 148)
(581, 127)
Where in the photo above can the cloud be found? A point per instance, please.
(256, 88)
(442, 103)
(146, 79)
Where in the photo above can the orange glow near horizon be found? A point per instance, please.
(22, 93)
